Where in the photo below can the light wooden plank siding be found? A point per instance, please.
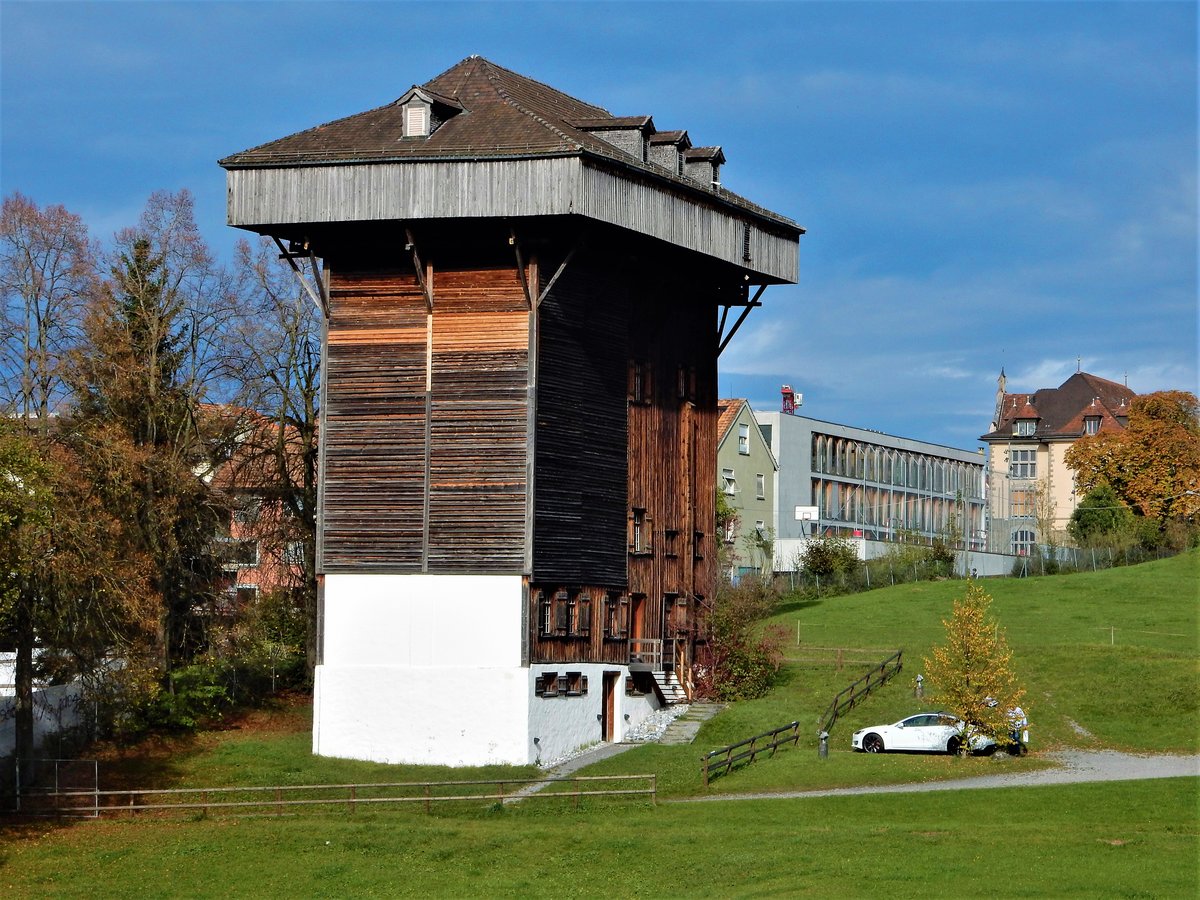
(373, 423)
(698, 220)
(382, 509)
(478, 446)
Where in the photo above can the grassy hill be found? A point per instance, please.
(1110, 659)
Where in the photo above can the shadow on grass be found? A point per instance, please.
(795, 604)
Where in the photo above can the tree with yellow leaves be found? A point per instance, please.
(971, 673)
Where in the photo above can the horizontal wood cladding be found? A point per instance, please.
(424, 428)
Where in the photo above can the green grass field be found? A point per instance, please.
(1110, 660)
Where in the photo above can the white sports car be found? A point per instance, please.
(925, 733)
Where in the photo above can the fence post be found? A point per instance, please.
(704, 760)
(427, 796)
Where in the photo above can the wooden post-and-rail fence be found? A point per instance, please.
(720, 761)
(877, 677)
(276, 799)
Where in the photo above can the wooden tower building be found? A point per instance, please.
(525, 300)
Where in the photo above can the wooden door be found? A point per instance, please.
(609, 707)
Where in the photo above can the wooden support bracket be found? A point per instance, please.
(317, 294)
(751, 303)
(515, 244)
(426, 287)
(562, 268)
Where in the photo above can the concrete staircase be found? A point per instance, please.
(683, 730)
(668, 688)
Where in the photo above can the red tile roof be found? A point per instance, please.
(727, 413)
(1061, 411)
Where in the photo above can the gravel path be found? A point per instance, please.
(1073, 766)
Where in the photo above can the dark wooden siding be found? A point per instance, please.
(580, 493)
(610, 450)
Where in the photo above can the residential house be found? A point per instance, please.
(746, 476)
(519, 424)
(1031, 492)
(263, 544)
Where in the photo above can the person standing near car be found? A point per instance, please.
(1016, 725)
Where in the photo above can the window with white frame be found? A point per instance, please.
(1024, 427)
(1091, 425)
(730, 481)
(760, 486)
(1022, 464)
(744, 440)
(1023, 541)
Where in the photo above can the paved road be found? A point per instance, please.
(1073, 766)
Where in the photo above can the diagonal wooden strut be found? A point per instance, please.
(752, 303)
(318, 297)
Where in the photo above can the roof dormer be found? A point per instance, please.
(627, 133)
(667, 149)
(703, 164)
(422, 111)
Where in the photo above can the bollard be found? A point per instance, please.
(920, 686)
(823, 747)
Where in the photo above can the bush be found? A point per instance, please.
(737, 663)
(829, 555)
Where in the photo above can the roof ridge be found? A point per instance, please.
(517, 105)
(491, 65)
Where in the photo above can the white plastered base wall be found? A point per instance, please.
(426, 669)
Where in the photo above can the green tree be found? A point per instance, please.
(150, 352)
(727, 524)
(971, 674)
(70, 584)
(1100, 517)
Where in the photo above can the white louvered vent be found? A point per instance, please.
(416, 120)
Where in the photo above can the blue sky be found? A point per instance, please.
(983, 185)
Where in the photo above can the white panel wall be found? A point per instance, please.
(565, 724)
(394, 714)
(423, 620)
(426, 669)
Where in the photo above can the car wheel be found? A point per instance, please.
(953, 745)
(873, 743)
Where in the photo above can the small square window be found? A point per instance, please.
(1091, 425)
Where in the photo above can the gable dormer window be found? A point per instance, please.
(1024, 427)
(1091, 425)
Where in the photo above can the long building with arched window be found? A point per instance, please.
(858, 483)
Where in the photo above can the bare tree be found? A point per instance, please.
(47, 270)
(278, 355)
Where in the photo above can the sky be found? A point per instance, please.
(983, 185)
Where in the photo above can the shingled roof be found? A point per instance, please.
(482, 111)
(1060, 412)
